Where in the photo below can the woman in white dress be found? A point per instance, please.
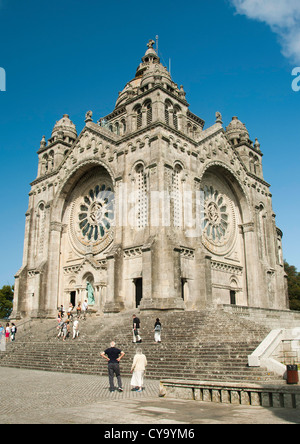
(138, 370)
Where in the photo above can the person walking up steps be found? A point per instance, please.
(75, 328)
(113, 355)
(157, 331)
(85, 309)
(7, 332)
(136, 329)
(78, 310)
(13, 332)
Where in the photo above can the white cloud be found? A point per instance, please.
(283, 16)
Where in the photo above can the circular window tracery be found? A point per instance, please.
(215, 216)
(217, 220)
(91, 214)
(96, 213)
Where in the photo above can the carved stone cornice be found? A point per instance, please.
(56, 226)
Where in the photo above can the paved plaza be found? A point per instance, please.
(37, 397)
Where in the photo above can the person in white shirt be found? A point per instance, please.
(75, 328)
(7, 332)
(85, 308)
(138, 370)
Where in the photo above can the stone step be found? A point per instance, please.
(199, 344)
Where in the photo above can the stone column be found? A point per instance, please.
(20, 292)
(53, 269)
(208, 280)
(255, 286)
(147, 273)
(36, 301)
(165, 293)
(114, 302)
(103, 296)
(16, 309)
(158, 108)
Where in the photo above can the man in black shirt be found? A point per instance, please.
(113, 355)
(136, 329)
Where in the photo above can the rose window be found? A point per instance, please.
(217, 217)
(96, 213)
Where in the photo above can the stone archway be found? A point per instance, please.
(224, 211)
(89, 283)
(82, 225)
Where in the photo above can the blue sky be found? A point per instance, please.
(70, 56)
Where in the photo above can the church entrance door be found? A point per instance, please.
(73, 298)
(138, 291)
(232, 297)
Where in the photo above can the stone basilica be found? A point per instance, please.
(145, 208)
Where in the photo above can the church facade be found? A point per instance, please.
(146, 208)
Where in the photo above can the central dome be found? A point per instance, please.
(149, 71)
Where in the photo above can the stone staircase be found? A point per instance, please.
(210, 345)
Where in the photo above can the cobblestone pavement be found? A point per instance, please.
(38, 397)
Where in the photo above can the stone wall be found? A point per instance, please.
(269, 318)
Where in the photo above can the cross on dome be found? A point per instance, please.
(150, 44)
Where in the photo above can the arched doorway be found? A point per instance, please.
(138, 291)
(88, 231)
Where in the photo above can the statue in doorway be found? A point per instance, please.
(90, 292)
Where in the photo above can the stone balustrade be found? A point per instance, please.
(233, 393)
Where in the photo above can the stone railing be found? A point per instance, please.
(280, 348)
(232, 393)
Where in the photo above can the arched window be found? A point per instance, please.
(256, 166)
(40, 229)
(168, 106)
(45, 164)
(51, 161)
(177, 195)
(148, 106)
(139, 116)
(175, 116)
(123, 126)
(251, 163)
(142, 201)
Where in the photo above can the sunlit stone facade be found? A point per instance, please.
(146, 208)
